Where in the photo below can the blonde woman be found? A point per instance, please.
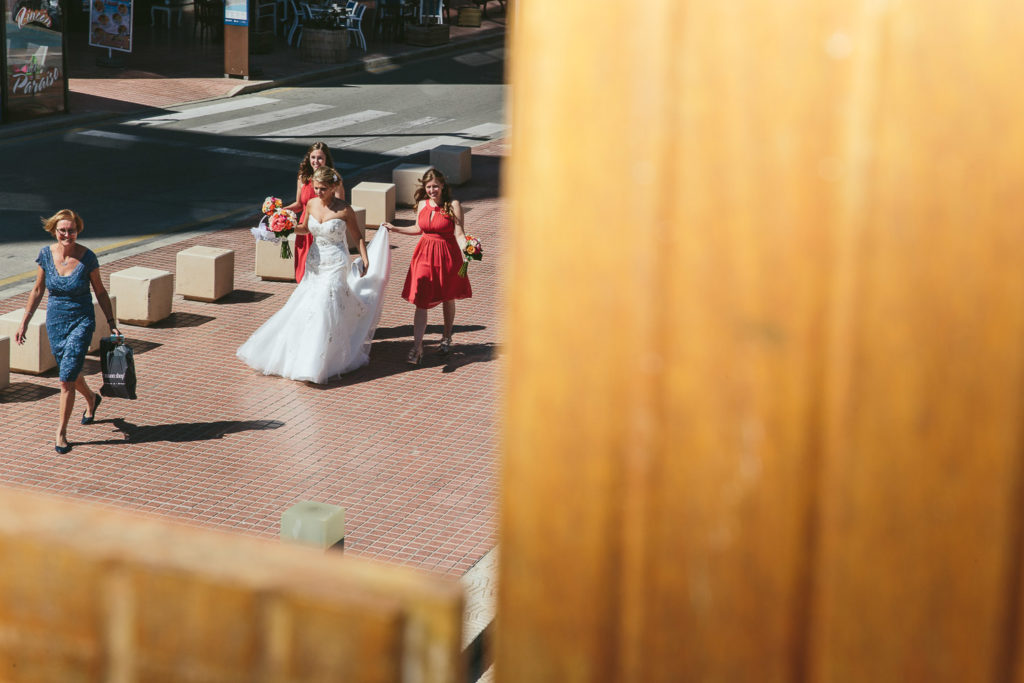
(67, 270)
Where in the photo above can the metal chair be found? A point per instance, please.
(432, 9)
(297, 16)
(266, 9)
(355, 26)
(168, 7)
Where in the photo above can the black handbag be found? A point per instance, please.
(117, 361)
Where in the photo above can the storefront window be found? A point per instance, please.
(34, 59)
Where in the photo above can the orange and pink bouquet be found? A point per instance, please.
(277, 223)
(474, 251)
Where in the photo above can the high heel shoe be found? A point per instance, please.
(63, 450)
(89, 419)
(446, 345)
(414, 356)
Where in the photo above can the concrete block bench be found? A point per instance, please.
(377, 198)
(102, 328)
(270, 265)
(360, 212)
(454, 161)
(205, 273)
(34, 356)
(316, 524)
(406, 178)
(144, 295)
(5, 362)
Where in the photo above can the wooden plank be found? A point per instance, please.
(737, 447)
(90, 594)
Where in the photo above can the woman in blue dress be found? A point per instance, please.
(66, 270)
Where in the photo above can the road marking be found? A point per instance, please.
(484, 130)
(342, 143)
(197, 112)
(275, 159)
(476, 59)
(322, 128)
(259, 119)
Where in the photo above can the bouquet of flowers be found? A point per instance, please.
(474, 251)
(277, 223)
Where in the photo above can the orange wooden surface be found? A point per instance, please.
(766, 288)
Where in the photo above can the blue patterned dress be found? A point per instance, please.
(70, 321)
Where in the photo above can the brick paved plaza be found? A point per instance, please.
(409, 452)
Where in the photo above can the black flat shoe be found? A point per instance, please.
(89, 419)
(63, 450)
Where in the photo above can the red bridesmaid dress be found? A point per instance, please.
(302, 242)
(434, 271)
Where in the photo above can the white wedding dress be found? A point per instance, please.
(325, 327)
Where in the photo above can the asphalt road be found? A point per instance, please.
(144, 180)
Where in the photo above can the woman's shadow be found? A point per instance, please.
(181, 431)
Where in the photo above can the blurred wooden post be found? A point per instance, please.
(766, 342)
(91, 594)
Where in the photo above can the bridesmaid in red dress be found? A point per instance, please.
(433, 276)
(317, 155)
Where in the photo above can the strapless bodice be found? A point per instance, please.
(332, 230)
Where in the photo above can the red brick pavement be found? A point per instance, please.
(409, 452)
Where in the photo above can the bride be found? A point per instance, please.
(325, 327)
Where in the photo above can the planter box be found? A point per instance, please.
(323, 46)
(469, 16)
(426, 36)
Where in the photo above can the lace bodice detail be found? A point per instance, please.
(330, 244)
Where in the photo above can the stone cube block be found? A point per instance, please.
(360, 213)
(270, 265)
(205, 273)
(315, 524)
(34, 356)
(102, 328)
(144, 295)
(406, 178)
(454, 161)
(5, 362)
(378, 199)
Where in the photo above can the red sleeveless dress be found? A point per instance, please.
(302, 242)
(434, 271)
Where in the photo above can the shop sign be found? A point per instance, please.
(34, 57)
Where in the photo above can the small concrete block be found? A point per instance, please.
(5, 362)
(406, 178)
(205, 273)
(145, 294)
(378, 199)
(311, 523)
(34, 356)
(102, 328)
(270, 265)
(360, 213)
(454, 161)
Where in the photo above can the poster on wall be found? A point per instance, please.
(236, 13)
(110, 24)
(34, 58)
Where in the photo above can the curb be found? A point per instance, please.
(70, 120)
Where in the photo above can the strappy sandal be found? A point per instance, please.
(445, 346)
(414, 356)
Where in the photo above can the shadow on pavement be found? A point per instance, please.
(26, 392)
(182, 431)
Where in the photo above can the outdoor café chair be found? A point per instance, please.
(355, 26)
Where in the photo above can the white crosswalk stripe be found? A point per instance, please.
(484, 130)
(259, 119)
(198, 112)
(324, 128)
(343, 143)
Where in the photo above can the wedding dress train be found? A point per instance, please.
(325, 327)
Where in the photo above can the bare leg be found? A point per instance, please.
(67, 404)
(87, 394)
(419, 326)
(448, 308)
